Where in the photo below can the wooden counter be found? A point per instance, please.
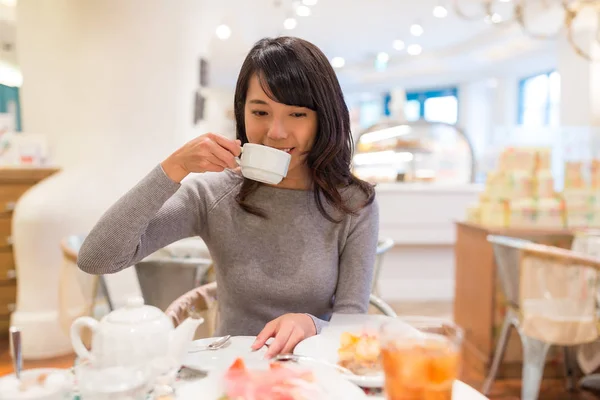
(479, 304)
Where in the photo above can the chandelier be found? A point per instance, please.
(521, 11)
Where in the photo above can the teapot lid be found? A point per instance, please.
(135, 312)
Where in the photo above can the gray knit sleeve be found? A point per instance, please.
(357, 262)
(356, 265)
(154, 213)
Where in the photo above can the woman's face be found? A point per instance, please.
(288, 128)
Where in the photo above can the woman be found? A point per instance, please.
(286, 256)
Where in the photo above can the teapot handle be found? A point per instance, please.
(76, 341)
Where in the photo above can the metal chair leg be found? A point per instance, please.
(498, 354)
(568, 364)
(534, 360)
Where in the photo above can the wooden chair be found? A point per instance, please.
(551, 294)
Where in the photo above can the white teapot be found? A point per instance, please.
(136, 334)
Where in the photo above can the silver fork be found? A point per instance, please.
(298, 358)
(217, 344)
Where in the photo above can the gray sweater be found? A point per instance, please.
(296, 261)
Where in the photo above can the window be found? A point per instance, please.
(433, 105)
(9, 103)
(370, 112)
(539, 100)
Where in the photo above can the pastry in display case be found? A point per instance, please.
(393, 151)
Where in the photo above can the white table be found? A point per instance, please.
(460, 391)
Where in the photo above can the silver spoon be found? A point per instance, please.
(15, 350)
(217, 344)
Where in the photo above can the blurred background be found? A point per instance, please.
(471, 116)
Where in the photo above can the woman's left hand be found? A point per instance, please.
(288, 330)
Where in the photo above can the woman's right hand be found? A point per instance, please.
(206, 153)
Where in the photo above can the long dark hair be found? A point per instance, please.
(295, 72)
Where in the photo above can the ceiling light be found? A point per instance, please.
(303, 11)
(223, 32)
(416, 30)
(440, 12)
(309, 2)
(414, 49)
(338, 62)
(383, 57)
(290, 23)
(381, 61)
(399, 45)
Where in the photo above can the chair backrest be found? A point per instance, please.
(164, 280)
(77, 290)
(507, 254)
(383, 246)
(554, 288)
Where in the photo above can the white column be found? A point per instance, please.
(580, 81)
(111, 83)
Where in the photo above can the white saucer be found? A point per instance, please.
(210, 360)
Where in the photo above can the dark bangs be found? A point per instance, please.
(284, 78)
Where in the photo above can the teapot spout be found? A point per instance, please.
(181, 337)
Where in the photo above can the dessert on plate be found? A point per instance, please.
(360, 353)
(276, 383)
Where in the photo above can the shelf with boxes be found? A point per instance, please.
(14, 182)
(521, 192)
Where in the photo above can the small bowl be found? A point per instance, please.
(38, 384)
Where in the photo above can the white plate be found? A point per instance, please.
(211, 387)
(210, 360)
(325, 348)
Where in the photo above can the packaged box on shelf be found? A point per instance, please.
(474, 214)
(594, 218)
(518, 158)
(574, 175)
(494, 213)
(578, 218)
(550, 213)
(544, 184)
(522, 213)
(578, 197)
(520, 185)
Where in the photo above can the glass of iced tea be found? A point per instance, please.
(420, 357)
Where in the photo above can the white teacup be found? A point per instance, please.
(264, 164)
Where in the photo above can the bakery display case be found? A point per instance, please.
(423, 174)
(393, 151)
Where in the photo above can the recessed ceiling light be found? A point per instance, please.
(309, 2)
(399, 45)
(338, 62)
(290, 23)
(383, 57)
(440, 12)
(303, 11)
(414, 49)
(223, 32)
(416, 30)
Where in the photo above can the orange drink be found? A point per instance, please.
(421, 358)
